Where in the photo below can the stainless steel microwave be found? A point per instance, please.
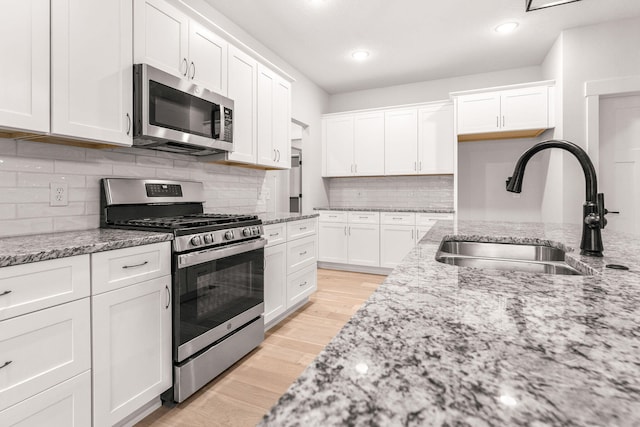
(175, 115)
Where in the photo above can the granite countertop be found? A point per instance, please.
(278, 217)
(26, 249)
(390, 209)
(443, 345)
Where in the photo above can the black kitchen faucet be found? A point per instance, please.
(593, 209)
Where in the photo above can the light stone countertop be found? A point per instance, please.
(41, 247)
(390, 209)
(278, 217)
(439, 345)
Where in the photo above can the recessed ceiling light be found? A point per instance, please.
(360, 55)
(506, 28)
(543, 4)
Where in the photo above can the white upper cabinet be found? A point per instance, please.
(274, 119)
(401, 141)
(436, 139)
(91, 70)
(338, 137)
(242, 88)
(167, 39)
(24, 76)
(518, 112)
(368, 144)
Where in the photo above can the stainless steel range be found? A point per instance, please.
(218, 273)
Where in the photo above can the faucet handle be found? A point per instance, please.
(601, 210)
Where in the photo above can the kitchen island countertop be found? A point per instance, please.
(32, 248)
(443, 345)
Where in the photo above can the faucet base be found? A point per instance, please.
(591, 253)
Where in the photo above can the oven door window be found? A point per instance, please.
(177, 110)
(214, 292)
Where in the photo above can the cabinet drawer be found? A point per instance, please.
(301, 253)
(301, 284)
(41, 349)
(29, 287)
(66, 404)
(275, 233)
(364, 218)
(302, 228)
(123, 267)
(398, 218)
(333, 216)
(425, 218)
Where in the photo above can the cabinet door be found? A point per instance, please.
(24, 76)
(207, 59)
(364, 244)
(275, 282)
(131, 348)
(161, 36)
(436, 140)
(66, 404)
(395, 242)
(479, 113)
(338, 139)
(525, 108)
(267, 155)
(368, 144)
(332, 242)
(401, 142)
(282, 122)
(241, 87)
(92, 70)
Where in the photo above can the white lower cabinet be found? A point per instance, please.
(333, 244)
(364, 244)
(131, 340)
(290, 267)
(66, 404)
(395, 242)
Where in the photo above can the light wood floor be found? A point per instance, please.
(246, 391)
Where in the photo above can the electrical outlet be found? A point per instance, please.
(59, 194)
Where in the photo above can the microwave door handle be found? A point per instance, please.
(216, 128)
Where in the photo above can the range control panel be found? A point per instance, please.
(163, 190)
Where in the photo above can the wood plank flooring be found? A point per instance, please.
(246, 391)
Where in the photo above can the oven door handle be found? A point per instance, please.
(195, 258)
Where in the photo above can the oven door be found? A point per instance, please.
(217, 291)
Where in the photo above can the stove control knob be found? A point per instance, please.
(256, 230)
(196, 241)
(246, 232)
(208, 238)
(228, 235)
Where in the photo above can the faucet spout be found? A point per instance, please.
(593, 208)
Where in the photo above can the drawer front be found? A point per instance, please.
(333, 216)
(430, 218)
(123, 267)
(364, 217)
(275, 233)
(301, 253)
(29, 287)
(66, 404)
(301, 284)
(302, 228)
(398, 218)
(41, 349)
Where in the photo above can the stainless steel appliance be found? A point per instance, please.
(175, 115)
(295, 181)
(218, 273)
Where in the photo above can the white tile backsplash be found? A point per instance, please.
(432, 191)
(27, 168)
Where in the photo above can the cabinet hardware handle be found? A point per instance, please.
(274, 234)
(9, 362)
(497, 121)
(275, 155)
(194, 70)
(415, 166)
(136, 265)
(351, 167)
(502, 121)
(356, 167)
(333, 216)
(186, 66)
(128, 124)
(420, 166)
(303, 253)
(303, 228)
(395, 217)
(168, 297)
(5, 293)
(363, 217)
(303, 283)
(411, 234)
(345, 230)
(611, 212)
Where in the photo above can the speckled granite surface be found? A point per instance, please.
(275, 218)
(443, 345)
(25, 249)
(365, 209)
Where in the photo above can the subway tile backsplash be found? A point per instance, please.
(432, 191)
(27, 169)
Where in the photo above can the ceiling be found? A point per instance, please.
(409, 40)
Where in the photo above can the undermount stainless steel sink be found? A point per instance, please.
(505, 256)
